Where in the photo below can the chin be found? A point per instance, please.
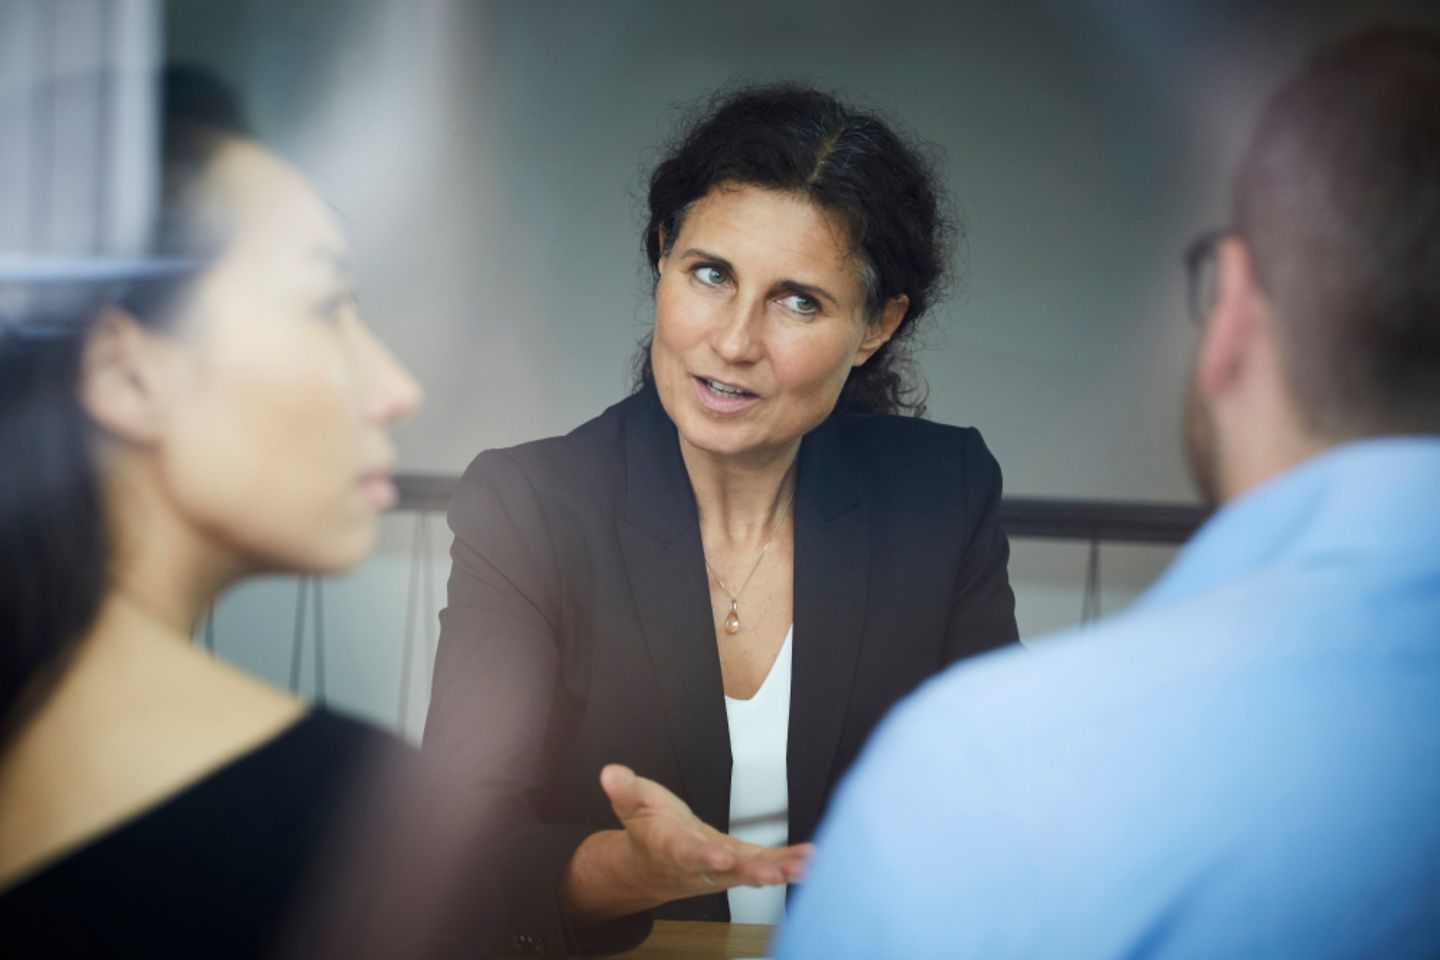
(351, 550)
(719, 438)
(329, 553)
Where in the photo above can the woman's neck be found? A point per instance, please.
(162, 566)
(740, 498)
(140, 630)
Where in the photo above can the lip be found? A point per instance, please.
(378, 488)
(715, 403)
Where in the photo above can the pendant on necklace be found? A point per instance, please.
(732, 620)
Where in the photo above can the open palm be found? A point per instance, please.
(685, 855)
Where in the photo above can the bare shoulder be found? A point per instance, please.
(130, 725)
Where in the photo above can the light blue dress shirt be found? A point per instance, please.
(1247, 763)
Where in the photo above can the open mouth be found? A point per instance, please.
(723, 390)
(721, 397)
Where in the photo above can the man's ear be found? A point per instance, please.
(880, 332)
(125, 378)
(1231, 330)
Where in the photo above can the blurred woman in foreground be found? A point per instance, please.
(216, 412)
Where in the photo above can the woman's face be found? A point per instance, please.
(759, 318)
(274, 445)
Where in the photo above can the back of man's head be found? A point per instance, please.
(1338, 195)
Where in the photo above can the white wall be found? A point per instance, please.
(489, 157)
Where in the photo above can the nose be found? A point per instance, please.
(392, 392)
(737, 334)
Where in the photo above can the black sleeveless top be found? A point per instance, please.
(233, 866)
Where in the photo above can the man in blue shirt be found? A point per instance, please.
(1247, 763)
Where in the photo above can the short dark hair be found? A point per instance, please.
(1338, 194)
(54, 545)
(850, 163)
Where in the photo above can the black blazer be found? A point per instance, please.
(579, 629)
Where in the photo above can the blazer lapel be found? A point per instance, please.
(660, 541)
(832, 565)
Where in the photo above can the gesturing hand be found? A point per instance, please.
(682, 855)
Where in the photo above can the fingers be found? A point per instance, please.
(685, 854)
(784, 865)
(720, 862)
(624, 789)
(631, 794)
(761, 866)
(718, 858)
(616, 776)
(760, 875)
(703, 859)
(801, 855)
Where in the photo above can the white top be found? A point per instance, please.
(759, 787)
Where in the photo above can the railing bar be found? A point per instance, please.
(1021, 517)
(319, 596)
(412, 597)
(297, 644)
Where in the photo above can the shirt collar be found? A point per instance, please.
(1366, 498)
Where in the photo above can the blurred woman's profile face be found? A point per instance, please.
(759, 318)
(274, 443)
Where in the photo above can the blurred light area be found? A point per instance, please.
(366, 625)
(78, 131)
(372, 100)
(352, 92)
(488, 157)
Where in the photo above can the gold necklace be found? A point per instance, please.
(732, 620)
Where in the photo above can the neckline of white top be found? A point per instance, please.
(781, 665)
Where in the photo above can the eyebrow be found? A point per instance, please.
(793, 286)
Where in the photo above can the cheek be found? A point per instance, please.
(268, 469)
(816, 363)
(679, 322)
(680, 331)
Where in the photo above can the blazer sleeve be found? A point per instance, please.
(982, 613)
(496, 671)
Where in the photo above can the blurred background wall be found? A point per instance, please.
(489, 158)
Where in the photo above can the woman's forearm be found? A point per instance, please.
(603, 881)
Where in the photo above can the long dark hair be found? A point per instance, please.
(52, 537)
(54, 548)
(850, 163)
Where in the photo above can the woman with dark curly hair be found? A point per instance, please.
(670, 631)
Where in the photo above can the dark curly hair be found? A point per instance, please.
(850, 163)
